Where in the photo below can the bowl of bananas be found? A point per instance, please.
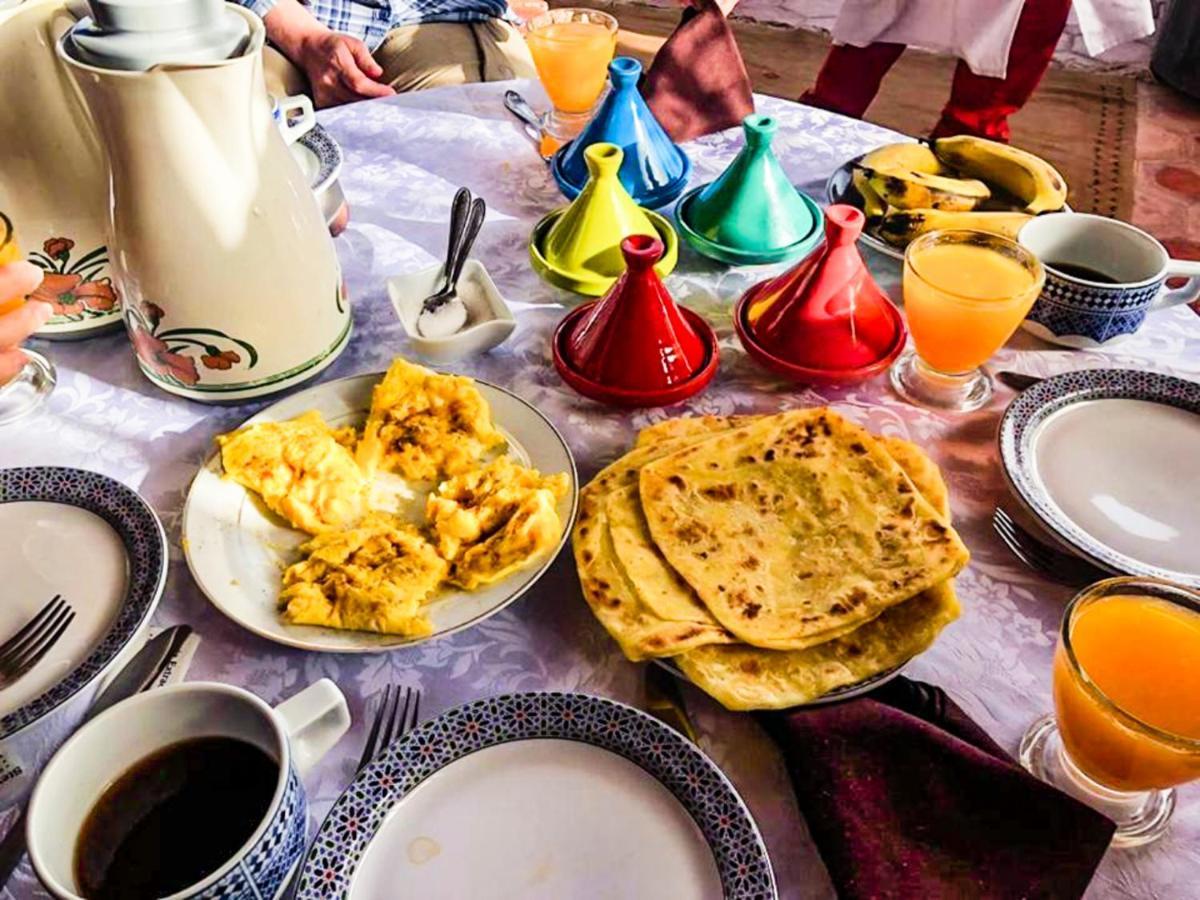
(908, 189)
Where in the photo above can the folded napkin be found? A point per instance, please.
(906, 796)
(697, 83)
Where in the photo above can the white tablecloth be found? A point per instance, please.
(405, 157)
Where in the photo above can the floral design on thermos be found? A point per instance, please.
(74, 288)
(171, 355)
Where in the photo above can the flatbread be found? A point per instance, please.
(616, 602)
(795, 527)
(688, 427)
(741, 677)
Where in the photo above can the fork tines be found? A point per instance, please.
(1041, 557)
(396, 715)
(25, 649)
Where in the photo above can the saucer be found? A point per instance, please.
(735, 257)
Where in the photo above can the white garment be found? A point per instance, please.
(980, 32)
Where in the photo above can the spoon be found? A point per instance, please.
(444, 313)
(519, 107)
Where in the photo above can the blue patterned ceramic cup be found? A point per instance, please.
(1102, 278)
(296, 734)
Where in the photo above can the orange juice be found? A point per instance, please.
(964, 301)
(1143, 654)
(9, 252)
(572, 58)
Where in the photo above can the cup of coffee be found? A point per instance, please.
(183, 792)
(1102, 278)
(294, 116)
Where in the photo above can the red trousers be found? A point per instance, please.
(850, 76)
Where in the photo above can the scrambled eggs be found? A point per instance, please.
(492, 521)
(300, 469)
(373, 577)
(425, 426)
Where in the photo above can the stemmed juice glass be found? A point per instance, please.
(32, 385)
(1126, 724)
(965, 293)
(571, 49)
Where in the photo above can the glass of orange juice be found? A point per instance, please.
(965, 293)
(1126, 724)
(571, 49)
(32, 385)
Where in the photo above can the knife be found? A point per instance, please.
(138, 675)
(665, 701)
(1018, 381)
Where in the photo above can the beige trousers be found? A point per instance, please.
(415, 57)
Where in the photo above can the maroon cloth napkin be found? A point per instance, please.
(697, 83)
(906, 796)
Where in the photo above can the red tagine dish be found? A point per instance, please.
(825, 320)
(636, 346)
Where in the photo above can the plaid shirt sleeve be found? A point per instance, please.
(259, 7)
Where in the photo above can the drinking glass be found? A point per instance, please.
(1126, 722)
(26, 390)
(965, 293)
(571, 50)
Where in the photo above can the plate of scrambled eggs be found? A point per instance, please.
(380, 510)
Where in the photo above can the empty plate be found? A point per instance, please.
(539, 796)
(1109, 460)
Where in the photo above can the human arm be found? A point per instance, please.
(17, 280)
(339, 67)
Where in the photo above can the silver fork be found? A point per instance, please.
(25, 649)
(1041, 557)
(396, 716)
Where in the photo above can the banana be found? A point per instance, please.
(902, 225)
(1032, 180)
(920, 190)
(906, 157)
(873, 205)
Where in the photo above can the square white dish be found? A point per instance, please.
(489, 319)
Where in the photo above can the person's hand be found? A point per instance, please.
(16, 280)
(339, 67)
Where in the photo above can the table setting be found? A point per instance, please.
(588, 506)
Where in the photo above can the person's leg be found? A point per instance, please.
(503, 51)
(416, 57)
(283, 77)
(981, 106)
(850, 77)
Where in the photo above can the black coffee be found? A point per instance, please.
(174, 819)
(1083, 272)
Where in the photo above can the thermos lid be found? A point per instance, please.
(138, 34)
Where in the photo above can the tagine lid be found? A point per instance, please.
(825, 318)
(579, 247)
(654, 170)
(636, 346)
(752, 213)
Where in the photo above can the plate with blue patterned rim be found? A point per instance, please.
(98, 544)
(539, 795)
(237, 550)
(1109, 461)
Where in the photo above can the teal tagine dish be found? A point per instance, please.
(752, 214)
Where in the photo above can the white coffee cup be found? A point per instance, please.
(295, 734)
(1076, 311)
(294, 116)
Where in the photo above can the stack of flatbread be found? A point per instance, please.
(774, 558)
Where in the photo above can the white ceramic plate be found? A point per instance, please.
(96, 542)
(237, 550)
(1109, 461)
(539, 796)
(320, 158)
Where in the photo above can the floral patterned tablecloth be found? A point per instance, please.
(405, 157)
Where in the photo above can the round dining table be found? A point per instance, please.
(405, 156)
